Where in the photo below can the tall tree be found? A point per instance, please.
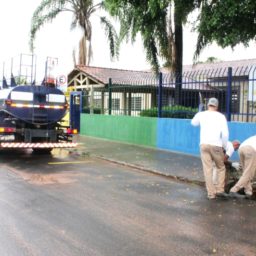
(160, 23)
(82, 10)
(227, 23)
(144, 17)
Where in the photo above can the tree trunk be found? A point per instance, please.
(82, 59)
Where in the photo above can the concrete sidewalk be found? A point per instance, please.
(174, 165)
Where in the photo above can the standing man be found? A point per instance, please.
(213, 138)
(247, 153)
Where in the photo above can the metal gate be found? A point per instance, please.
(75, 109)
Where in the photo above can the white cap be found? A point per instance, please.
(213, 102)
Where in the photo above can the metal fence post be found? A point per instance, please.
(109, 96)
(129, 103)
(160, 95)
(229, 94)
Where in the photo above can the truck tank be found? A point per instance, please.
(37, 105)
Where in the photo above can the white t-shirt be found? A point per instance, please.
(251, 141)
(230, 149)
(214, 128)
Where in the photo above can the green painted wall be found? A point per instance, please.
(134, 130)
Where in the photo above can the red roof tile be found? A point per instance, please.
(121, 76)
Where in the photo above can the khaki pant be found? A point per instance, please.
(210, 155)
(248, 162)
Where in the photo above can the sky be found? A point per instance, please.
(57, 40)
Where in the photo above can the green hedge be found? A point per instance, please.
(171, 112)
(95, 110)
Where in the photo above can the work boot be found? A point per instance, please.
(248, 196)
(236, 195)
(222, 195)
(211, 197)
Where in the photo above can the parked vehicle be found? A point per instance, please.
(30, 117)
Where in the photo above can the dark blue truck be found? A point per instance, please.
(30, 117)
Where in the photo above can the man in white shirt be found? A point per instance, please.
(230, 149)
(213, 138)
(247, 153)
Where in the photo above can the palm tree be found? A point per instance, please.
(82, 11)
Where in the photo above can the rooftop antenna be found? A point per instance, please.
(3, 75)
(32, 69)
(3, 67)
(20, 66)
(11, 64)
(35, 69)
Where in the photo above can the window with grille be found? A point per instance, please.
(136, 103)
(115, 104)
(97, 103)
(235, 101)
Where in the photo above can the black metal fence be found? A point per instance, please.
(166, 95)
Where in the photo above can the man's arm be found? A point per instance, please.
(196, 119)
(229, 152)
(224, 133)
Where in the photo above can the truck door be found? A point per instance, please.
(75, 110)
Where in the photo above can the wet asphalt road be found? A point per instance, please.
(63, 204)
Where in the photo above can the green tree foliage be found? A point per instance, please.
(226, 22)
(82, 10)
(145, 17)
(161, 31)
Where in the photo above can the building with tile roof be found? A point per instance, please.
(131, 89)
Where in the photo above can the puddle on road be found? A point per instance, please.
(47, 179)
(52, 172)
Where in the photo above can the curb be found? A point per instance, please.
(142, 168)
(152, 171)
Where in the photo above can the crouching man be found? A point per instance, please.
(247, 154)
(231, 168)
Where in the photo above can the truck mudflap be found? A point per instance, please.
(38, 145)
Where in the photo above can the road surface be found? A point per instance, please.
(65, 204)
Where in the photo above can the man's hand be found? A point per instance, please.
(226, 157)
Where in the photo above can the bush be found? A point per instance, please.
(95, 111)
(171, 112)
